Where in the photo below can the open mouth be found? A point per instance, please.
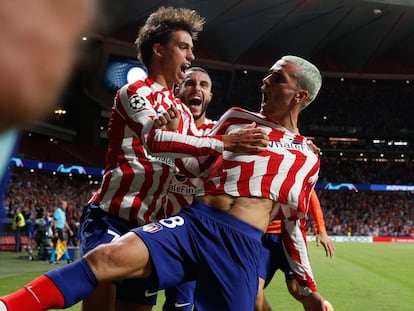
(264, 96)
(195, 101)
(184, 68)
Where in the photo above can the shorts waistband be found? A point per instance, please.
(112, 218)
(226, 219)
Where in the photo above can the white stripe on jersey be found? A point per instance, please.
(295, 249)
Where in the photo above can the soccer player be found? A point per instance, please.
(139, 159)
(216, 241)
(195, 93)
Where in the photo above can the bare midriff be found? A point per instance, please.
(253, 210)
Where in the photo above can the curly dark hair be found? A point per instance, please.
(160, 25)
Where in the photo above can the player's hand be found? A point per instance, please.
(248, 139)
(168, 120)
(323, 238)
(313, 302)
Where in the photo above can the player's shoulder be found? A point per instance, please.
(140, 87)
(131, 89)
(237, 115)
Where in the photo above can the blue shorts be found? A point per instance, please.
(273, 258)
(217, 250)
(180, 297)
(99, 227)
(30, 228)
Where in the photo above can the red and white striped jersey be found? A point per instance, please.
(182, 188)
(139, 159)
(207, 126)
(285, 173)
(294, 243)
(315, 210)
(296, 252)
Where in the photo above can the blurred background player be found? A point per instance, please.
(59, 225)
(31, 231)
(43, 233)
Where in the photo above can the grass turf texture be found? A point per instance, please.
(369, 277)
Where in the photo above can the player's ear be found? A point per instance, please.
(302, 95)
(157, 49)
(210, 96)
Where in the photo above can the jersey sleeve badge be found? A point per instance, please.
(136, 102)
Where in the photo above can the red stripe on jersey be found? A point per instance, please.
(272, 170)
(294, 241)
(246, 172)
(160, 192)
(123, 189)
(291, 177)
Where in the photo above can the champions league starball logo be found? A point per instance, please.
(136, 102)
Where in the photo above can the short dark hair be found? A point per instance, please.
(160, 25)
(195, 68)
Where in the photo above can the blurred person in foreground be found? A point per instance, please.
(217, 240)
(39, 47)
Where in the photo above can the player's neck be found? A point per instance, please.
(289, 121)
(160, 78)
(200, 121)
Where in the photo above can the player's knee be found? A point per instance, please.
(101, 260)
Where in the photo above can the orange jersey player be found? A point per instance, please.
(278, 248)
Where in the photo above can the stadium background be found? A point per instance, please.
(362, 119)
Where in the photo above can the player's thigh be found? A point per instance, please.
(127, 257)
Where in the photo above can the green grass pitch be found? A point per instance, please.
(361, 277)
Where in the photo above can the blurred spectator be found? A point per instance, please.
(18, 225)
(373, 213)
(367, 213)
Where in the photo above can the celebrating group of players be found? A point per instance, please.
(185, 202)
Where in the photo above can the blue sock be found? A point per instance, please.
(66, 255)
(53, 255)
(75, 281)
